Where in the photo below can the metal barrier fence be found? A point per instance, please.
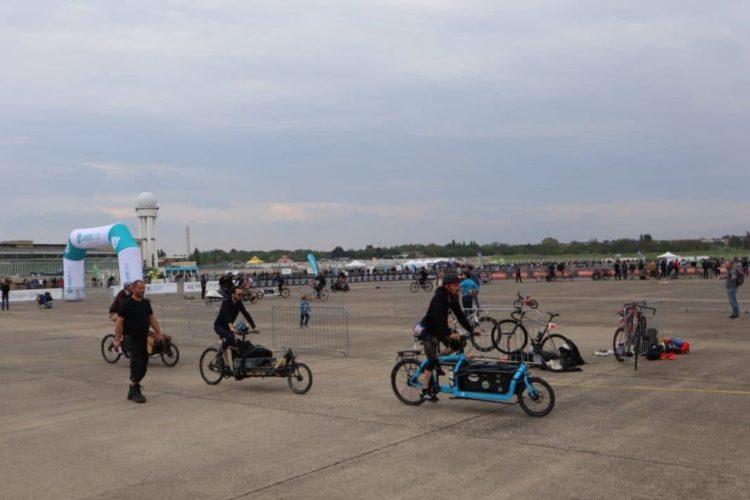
(327, 329)
(188, 320)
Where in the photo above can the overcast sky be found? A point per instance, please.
(320, 123)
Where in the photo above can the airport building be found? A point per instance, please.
(26, 258)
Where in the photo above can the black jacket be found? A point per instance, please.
(229, 312)
(435, 320)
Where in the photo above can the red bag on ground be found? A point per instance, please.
(685, 348)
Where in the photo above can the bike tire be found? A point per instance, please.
(510, 336)
(324, 295)
(622, 345)
(285, 293)
(108, 353)
(300, 378)
(552, 344)
(518, 304)
(211, 372)
(170, 358)
(428, 286)
(400, 376)
(543, 401)
(484, 342)
(533, 304)
(414, 287)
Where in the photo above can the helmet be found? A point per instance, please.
(450, 279)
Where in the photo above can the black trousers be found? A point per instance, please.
(136, 346)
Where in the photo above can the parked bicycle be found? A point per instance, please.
(631, 337)
(218, 363)
(479, 379)
(510, 337)
(486, 325)
(520, 302)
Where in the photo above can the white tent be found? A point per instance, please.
(669, 256)
(355, 264)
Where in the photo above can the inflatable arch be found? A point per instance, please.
(80, 240)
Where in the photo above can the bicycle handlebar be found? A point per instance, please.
(639, 305)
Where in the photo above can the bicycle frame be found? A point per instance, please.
(520, 376)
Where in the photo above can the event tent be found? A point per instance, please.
(669, 256)
(355, 264)
(255, 260)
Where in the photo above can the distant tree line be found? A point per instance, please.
(548, 246)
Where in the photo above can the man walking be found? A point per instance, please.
(5, 288)
(204, 281)
(134, 318)
(731, 284)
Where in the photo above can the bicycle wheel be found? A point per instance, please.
(211, 366)
(551, 349)
(483, 342)
(414, 287)
(401, 375)
(108, 349)
(518, 304)
(622, 345)
(427, 286)
(533, 304)
(285, 293)
(324, 295)
(537, 398)
(509, 336)
(300, 378)
(170, 355)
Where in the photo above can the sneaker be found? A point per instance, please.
(130, 393)
(138, 397)
(430, 396)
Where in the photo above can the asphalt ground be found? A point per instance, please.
(673, 429)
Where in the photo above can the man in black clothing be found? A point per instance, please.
(423, 275)
(230, 308)
(122, 297)
(204, 281)
(134, 318)
(319, 283)
(5, 288)
(437, 330)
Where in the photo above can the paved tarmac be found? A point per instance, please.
(673, 429)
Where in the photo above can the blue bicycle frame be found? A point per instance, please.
(521, 375)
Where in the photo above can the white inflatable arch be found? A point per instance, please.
(116, 235)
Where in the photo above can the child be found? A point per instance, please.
(304, 312)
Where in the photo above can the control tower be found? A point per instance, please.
(147, 208)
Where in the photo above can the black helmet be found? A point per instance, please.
(450, 279)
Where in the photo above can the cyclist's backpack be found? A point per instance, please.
(740, 279)
(654, 352)
(570, 356)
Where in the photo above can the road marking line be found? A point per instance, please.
(661, 389)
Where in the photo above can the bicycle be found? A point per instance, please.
(425, 285)
(321, 294)
(479, 379)
(252, 295)
(628, 340)
(219, 363)
(511, 337)
(520, 302)
(167, 350)
(486, 324)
